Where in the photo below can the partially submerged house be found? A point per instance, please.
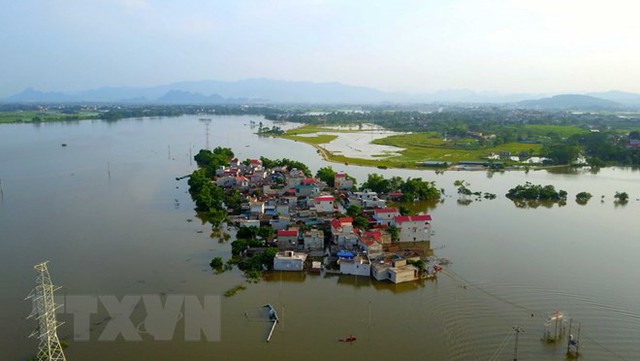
(289, 261)
(414, 228)
(395, 270)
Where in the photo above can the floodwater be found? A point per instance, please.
(107, 212)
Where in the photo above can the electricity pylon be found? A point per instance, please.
(44, 310)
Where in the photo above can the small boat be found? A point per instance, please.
(348, 339)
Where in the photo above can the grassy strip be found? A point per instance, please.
(319, 139)
(232, 291)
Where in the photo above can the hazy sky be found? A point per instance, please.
(394, 45)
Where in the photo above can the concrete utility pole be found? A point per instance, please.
(44, 310)
(517, 329)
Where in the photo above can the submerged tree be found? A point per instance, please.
(583, 197)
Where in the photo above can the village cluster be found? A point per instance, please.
(312, 232)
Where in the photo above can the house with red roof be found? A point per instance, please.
(255, 164)
(371, 242)
(324, 204)
(414, 228)
(342, 232)
(386, 216)
(287, 239)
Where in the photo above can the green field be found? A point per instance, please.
(34, 116)
(318, 139)
(543, 130)
(418, 147)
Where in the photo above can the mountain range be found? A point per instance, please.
(278, 91)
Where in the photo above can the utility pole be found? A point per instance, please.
(44, 310)
(517, 329)
(1, 189)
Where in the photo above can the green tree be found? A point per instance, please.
(247, 232)
(376, 183)
(327, 175)
(395, 183)
(621, 198)
(361, 222)
(394, 232)
(354, 210)
(583, 197)
(266, 232)
(417, 189)
(217, 263)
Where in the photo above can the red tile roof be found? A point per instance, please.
(324, 199)
(338, 222)
(340, 175)
(287, 233)
(419, 218)
(308, 181)
(375, 235)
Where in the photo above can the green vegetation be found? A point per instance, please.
(537, 192)
(413, 189)
(583, 197)
(530, 195)
(288, 163)
(30, 116)
(430, 146)
(621, 198)
(232, 291)
(36, 113)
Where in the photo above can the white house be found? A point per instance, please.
(342, 181)
(414, 228)
(357, 266)
(367, 199)
(342, 232)
(386, 216)
(324, 204)
(396, 271)
(313, 239)
(305, 190)
(289, 261)
(256, 208)
(295, 178)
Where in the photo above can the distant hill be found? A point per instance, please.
(182, 97)
(281, 91)
(35, 96)
(618, 97)
(210, 91)
(569, 102)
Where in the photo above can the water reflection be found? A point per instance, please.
(534, 203)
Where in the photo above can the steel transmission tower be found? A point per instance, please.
(44, 310)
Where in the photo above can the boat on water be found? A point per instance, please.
(351, 338)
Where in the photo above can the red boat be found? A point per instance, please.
(348, 339)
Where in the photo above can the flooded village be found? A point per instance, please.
(314, 229)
